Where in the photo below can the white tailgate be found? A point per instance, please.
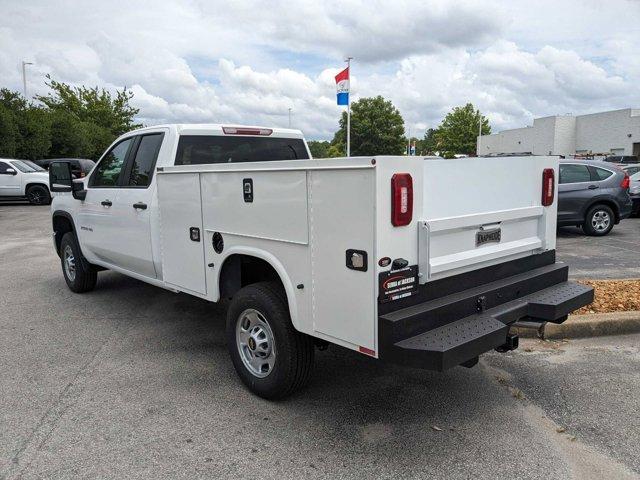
(464, 196)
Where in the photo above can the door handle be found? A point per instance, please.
(140, 205)
(106, 203)
(593, 187)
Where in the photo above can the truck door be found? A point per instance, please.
(134, 206)
(9, 181)
(96, 227)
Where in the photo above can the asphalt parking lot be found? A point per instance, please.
(613, 256)
(131, 381)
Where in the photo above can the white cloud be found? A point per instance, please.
(249, 62)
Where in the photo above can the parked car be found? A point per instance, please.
(80, 167)
(634, 192)
(20, 180)
(34, 165)
(631, 169)
(379, 255)
(593, 195)
(621, 159)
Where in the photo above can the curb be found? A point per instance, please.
(581, 326)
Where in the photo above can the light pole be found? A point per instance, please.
(479, 133)
(348, 60)
(24, 76)
(289, 117)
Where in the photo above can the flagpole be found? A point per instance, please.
(348, 60)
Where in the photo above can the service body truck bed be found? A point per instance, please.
(420, 261)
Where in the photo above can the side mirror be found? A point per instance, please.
(60, 178)
(78, 190)
(10, 171)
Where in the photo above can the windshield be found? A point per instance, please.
(34, 165)
(23, 167)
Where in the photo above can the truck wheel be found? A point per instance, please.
(598, 221)
(271, 357)
(79, 274)
(38, 195)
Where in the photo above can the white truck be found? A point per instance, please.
(420, 261)
(23, 180)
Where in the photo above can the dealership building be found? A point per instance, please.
(606, 133)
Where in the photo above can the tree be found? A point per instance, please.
(319, 149)
(377, 128)
(68, 122)
(428, 144)
(24, 127)
(458, 131)
(84, 121)
(95, 105)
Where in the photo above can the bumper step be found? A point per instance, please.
(459, 341)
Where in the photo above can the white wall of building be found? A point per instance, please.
(615, 131)
(606, 132)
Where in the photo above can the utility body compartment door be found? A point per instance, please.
(180, 205)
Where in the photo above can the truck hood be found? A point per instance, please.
(40, 177)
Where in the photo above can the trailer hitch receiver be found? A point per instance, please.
(510, 344)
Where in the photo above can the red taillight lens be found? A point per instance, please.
(247, 131)
(401, 199)
(548, 186)
(626, 182)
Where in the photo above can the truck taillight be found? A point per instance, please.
(548, 186)
(626, 181)
(247, 131)
(401, 199)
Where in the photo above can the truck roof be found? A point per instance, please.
(217, 129)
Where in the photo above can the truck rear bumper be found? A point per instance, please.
(458, 327)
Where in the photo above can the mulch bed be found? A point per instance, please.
(612, 296)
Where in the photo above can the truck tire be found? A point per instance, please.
(79, 274)
(38, 195)
(598, 221)
(271, 357)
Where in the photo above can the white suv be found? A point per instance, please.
(18, 179)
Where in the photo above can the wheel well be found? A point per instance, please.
(61, 225)
(612, 205)
(29, 185)
(241, 270)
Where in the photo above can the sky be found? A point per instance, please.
(249, 62)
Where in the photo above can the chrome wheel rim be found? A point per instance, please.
(255, 343)
(600, 220)
(69, 262)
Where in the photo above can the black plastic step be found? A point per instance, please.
(452, 344)
(410, 321)
(459, 341)
(554, 303)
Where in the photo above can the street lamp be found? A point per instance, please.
(24, 76)
(289, 117)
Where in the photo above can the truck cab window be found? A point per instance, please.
(204, 149)
(145, 160)
(108, 170)
(3, 168)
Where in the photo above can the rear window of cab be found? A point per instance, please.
(207, 149)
